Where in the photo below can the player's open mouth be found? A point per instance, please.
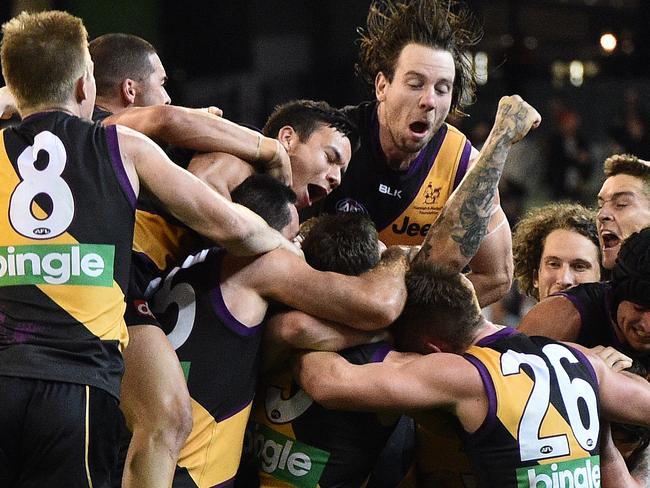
(316, 192)
(609, 239)
(419, 128)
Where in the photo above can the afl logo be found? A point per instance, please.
(41, 231)
(546, 450)
(349, 205)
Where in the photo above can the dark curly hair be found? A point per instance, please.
(529, 237)
(440, 24)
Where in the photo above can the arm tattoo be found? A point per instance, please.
(466, 218)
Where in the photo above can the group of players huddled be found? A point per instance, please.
(166, 321)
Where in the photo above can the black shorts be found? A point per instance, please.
(56, 434)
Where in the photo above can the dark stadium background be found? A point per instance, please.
(246, 56)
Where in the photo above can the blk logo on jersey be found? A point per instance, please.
(350, 205)
(387, 190)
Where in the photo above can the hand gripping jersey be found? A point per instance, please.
(219, 357)
(293, 442)
(66, 227)
(402, 204)
(542, 424)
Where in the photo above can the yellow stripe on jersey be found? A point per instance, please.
(105, 319)
(164, 243)
(434, 193)
(213, 449)
(512, 394)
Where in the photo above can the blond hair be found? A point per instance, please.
(43, 55)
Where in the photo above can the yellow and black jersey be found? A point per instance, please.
(66, 228)
(219, 356)
(542, 424)
(402, 204)
(293, 442)
(160, 242)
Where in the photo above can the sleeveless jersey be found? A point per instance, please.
(542, 424)
(595, 304)
(66, 227)
(219, 357)
(402, 204)
(293, 442)
(160, 242)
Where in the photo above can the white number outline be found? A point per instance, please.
(35, 182)
(531, 444)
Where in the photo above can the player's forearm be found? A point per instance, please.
(614, 472)
(457, 233)
(383, 290)
(301, 331)
(490, 288)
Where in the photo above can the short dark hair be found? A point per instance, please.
(628, 164)
(439, 304)
(118, 57)
(267, 197)
(393, 24)
(631, 273)
(529, 237)
(43, 55)
(306, 116)
(343, 243)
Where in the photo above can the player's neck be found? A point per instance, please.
(486, 329)
(109, 106)
(63, 107)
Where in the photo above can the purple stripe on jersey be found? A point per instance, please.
(500, 334)
(118, 164)
(380, 354)
(462, 164)
(577, 303)
(225, 484)
(429, 154)
(234, 411)
(220, 308)
(490, 391)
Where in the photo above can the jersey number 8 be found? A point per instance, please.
(48, 182)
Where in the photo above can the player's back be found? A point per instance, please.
(65, 239)
(542, 424)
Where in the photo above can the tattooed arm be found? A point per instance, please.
(473, 208)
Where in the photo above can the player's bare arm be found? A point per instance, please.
(369, 301)
(191, 201)
(456, 236)
(202, 131)
(221, 171)
(555, 317)
(431, 381)
(624, 397)
(287, 331)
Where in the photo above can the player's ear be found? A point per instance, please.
(128, 91)
(381, 83)
(287, 137)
